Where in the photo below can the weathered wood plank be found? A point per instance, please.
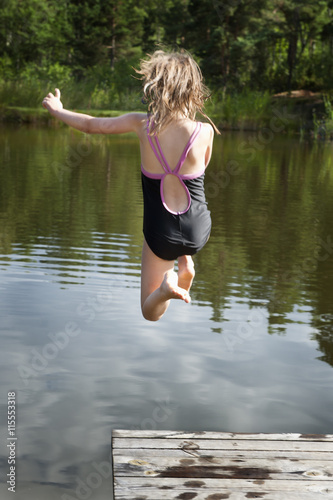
(213, 467)
(214, 494)
(151, 434)
(213, 444)
(157, 465)
(185, 484)
(231, 454)
(217, 494)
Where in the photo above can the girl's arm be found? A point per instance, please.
(210, 143)
(129, 122)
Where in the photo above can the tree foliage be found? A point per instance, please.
(270, 45)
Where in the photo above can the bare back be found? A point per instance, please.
(172, 141)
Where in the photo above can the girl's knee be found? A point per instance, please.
(148, 315)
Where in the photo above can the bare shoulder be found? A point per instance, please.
(208, 131)
(139, 122)
(208, 127)
(139, 119)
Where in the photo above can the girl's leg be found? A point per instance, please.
(159, 284)
(185, 272)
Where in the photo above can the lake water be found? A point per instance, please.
(253, 352)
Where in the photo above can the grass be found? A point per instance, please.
(84, 95)
(323, 126)
(241, 111)
(39, 116)
(21, 102)
(248, 110)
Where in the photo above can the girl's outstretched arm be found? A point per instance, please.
(129, 122)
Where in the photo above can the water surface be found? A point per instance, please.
(251, 353)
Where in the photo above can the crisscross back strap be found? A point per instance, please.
(188, 147)
(160, 156)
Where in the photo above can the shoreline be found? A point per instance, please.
(17, 115)
(298, 110)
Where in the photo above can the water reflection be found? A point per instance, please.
(250, 352)
(73, 265)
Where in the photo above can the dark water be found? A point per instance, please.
(252, 353)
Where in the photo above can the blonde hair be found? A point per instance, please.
(172, 86)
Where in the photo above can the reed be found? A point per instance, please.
(75, 95)
(248, 110)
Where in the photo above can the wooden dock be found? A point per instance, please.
(154, 465)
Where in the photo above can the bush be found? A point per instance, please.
(241, 110)
(102, 87)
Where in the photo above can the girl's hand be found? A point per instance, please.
(52, 102)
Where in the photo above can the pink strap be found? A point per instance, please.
(160, 156)
(188, 147)
(162, 160)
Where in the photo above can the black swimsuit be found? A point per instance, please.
(171, 234)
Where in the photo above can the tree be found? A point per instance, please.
(104, 31)
(300, 23)
(32, 31)
(229, 33)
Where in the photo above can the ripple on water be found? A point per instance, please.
(47, 261)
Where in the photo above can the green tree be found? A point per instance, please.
(104, 32)
(300, 24)
(257, 44)
(32, 31)
(229, 34)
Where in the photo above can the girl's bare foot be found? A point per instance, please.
(185, 272)
(170, 288)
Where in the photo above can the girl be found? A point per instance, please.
(175, 151)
